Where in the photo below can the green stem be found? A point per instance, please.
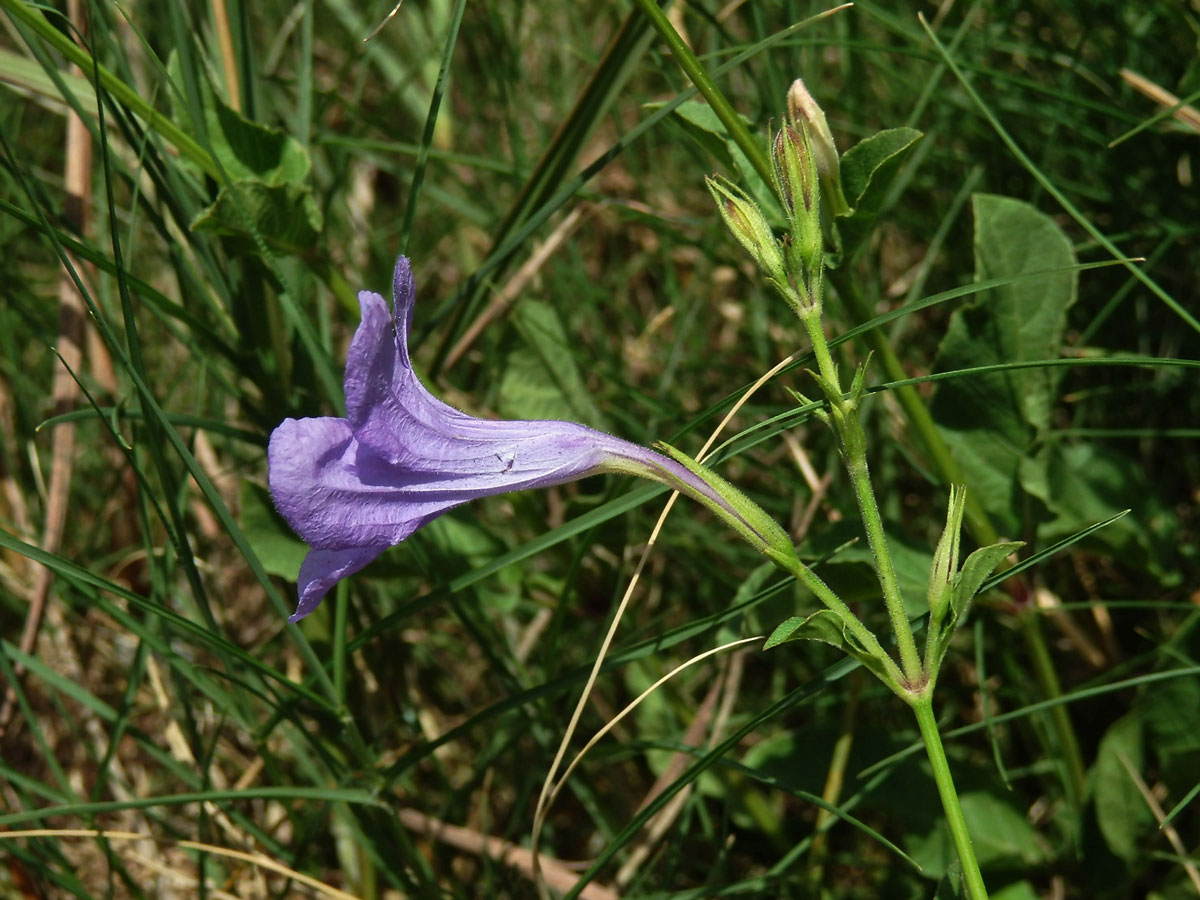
(915, 410)
(832, 601)
(922, 705)
(938, 452)
(692, 67)
(850, 433)
(185, 144)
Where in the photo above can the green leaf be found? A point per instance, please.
(995, 422)
(701, 124)
(1002, 836)
(867, 170)
(245, 150)
(1021, 890)
(286, 216)
(976, 569)
(867, 167)
(826, 626)
(273, 542)
(1121, 812)
(1171, 713)
(541, 379)
(1089, 482)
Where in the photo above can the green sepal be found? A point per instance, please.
(828, 627)
(737, 510)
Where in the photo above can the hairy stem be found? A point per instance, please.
(848, 424)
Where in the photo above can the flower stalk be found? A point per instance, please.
(845, 419)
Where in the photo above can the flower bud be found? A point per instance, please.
(804, 113)
(797, 184)
(945, 558)
(794, 170)
(747, 223)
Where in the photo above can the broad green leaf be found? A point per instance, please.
(1171, 713)
(867, 170)
(286, 216)
(245, 150)
(1121, 811)
(702, 125)
(994, 422)
(1090, 481)
(541, 378)
(867, 167)
(827, 627)
(1002, 836)
(273, 542)
(1021, 890)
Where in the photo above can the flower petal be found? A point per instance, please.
(322, 569)
(316, 472)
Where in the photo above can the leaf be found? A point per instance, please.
(975, 571)
(1001, 834)
(277, 548)
(1121, 811)
(245, 150)
(1089, 482)
(286, 216)
(994, 422)
(1020, 890)
(541, 379)
(827, 627)
(1171, 712)
(702, 126)
(869, 165)
(867, 170)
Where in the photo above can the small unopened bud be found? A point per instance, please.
(945, 557)
(747, 223)
(793, 169)
(804, 112)
(798, 188)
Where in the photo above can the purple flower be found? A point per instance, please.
(353, 487)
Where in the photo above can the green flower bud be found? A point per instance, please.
(945, 557)
(747, 223)
(798, 187)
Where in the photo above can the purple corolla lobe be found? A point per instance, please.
(353, 487)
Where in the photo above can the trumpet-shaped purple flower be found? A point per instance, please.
(353, 487)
